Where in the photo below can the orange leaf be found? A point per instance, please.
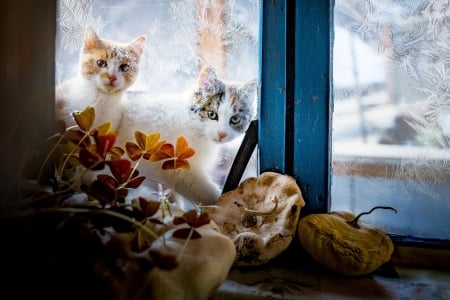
(152, 142)
(85, 119)
(164, 152)
(133, 151)
(140, 138)
(183, 151)
(187, 153)
(116, 153)
(150, 152)
(105, 129)
(176, 164)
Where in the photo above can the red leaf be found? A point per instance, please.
(149, 208)
(100, 191)
(178, 220)
(183, 233)
(156, 221)
(121, 169)
(203, 219)
(135, 182)
(104, 143)
(108, 181)
(90, 160)
(190, 217)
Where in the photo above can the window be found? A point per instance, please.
(295, 120)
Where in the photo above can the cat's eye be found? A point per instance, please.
(234, 120)
(102, 63)
(213, 115)
(124, 67)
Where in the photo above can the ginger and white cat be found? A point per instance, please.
(106, 70)
(214, 113)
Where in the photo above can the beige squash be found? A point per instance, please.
(342, 243)
(260, 216)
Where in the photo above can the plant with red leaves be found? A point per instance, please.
(82, 150)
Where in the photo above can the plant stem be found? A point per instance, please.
(249, 217)
(354, 222)
(47, 157)
(123, 185)
(102, 211)
(185, 244)
(63, 165)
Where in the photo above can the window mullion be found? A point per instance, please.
(272, 107)
(312, 104)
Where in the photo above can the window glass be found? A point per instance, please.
(391, 119)
(182, 36)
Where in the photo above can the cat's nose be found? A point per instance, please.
(221, 135)
(112, 78)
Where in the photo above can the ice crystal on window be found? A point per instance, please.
(407, 111)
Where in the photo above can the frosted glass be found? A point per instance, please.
(391, 120)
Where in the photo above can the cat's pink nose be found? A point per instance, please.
(112, 78)
(221, 135)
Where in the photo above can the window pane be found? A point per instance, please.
(391, 120)
(182, 36)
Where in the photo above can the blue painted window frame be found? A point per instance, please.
(296, 102)
(295, 106)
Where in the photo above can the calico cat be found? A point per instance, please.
(214, 113)
(106, 70)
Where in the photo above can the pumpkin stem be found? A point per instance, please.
(249, 217)
(354, 222)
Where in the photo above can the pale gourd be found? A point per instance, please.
(342, 243)
(260, 216)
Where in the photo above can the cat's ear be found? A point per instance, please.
(207, 80)
(138, 44)
(248, 93)
(90, 39)
(249, 89)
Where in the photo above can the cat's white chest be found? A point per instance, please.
(77, 94)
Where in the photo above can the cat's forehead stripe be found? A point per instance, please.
(233, 96)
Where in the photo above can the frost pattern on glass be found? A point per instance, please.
(392, 109)
(171, 58)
